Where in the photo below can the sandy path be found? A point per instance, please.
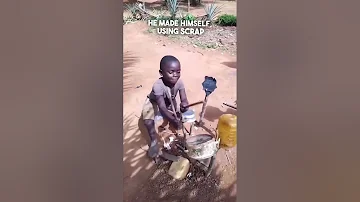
(142, 53)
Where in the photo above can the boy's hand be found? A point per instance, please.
(177, 124)
(183, 107)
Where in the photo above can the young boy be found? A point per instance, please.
(160, 99)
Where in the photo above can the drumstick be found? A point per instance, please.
(229, 105)
(190, 105)
(193, 104)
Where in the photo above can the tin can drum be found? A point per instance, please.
(202, 146)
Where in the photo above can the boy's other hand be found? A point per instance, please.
(177, 124)
(183, 107)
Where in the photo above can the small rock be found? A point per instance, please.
(221, 41)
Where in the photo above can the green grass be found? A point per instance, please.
(226, 20)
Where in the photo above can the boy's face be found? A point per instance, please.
(171, 72)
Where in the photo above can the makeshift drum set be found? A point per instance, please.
(199, 149)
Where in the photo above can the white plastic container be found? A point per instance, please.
(189, 116)
(179, 169)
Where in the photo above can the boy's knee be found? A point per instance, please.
(150, 125)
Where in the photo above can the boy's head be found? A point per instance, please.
(170, 69)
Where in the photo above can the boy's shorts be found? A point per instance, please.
(150, 110)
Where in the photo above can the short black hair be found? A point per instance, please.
(166, 60)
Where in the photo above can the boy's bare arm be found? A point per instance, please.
(164, 111)
(184, 100)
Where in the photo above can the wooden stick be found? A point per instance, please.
(227, 157)
(229, 105)
(195, 103)
(216, 134)
(188, 8)
(203, 110)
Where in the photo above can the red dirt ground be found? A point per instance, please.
(144, 181)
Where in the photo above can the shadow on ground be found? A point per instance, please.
(145, 181)
(213, 113)
(136, 166)
(162, 187)
(128, 61)
(230, 64)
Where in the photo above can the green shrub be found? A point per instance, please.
(132, 8)
(226, 20)
(212, 10)
(189, 17)
(161, 17)
(173, 7)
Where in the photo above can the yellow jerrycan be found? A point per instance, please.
(227, 130)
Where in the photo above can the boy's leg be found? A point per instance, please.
(150, 127)
(148, 114)
(153, 146)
